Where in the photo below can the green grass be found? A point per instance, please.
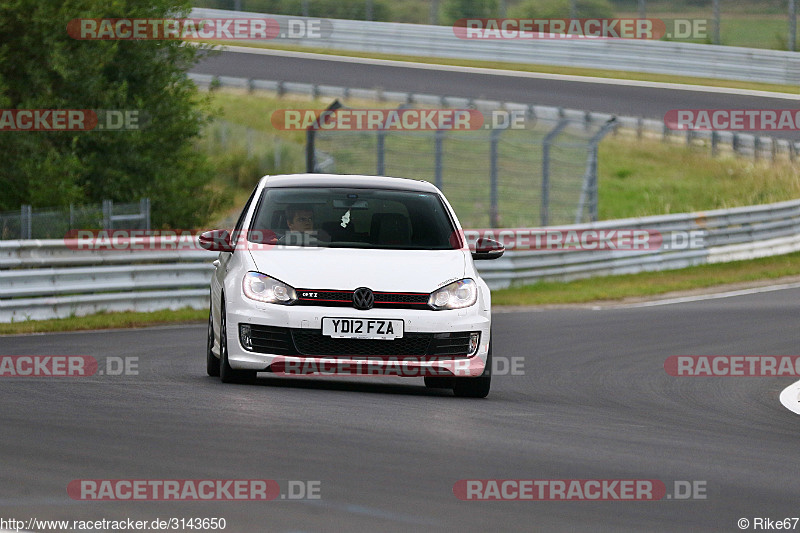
(105, 321)
(636, 177)
(545, 69)
(649, 284)
(649, 177)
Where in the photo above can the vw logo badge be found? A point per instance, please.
(363, 298)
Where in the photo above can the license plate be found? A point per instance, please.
(362, 328)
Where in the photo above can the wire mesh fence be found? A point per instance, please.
(539, 172)
(54, 223)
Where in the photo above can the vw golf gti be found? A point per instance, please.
(362, 275)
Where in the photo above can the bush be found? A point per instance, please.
(459, 9)
(334, 9)
(544, 9)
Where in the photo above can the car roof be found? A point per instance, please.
(347, 180)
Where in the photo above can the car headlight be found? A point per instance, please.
(263, 288)
(457, 295)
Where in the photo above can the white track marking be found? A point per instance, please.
(790, 397)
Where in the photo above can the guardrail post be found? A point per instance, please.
(25, 222)
(108, 207)
(438, 140)
(144, 209)
(494, 212)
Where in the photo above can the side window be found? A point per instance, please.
(239, 223)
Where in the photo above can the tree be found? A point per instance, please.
(458, 9)
(42, 67)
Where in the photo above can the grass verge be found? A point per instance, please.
(105, 321)
(642, 177)
(648, 284)
(637, 177)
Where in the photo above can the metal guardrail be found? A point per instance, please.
(661, 57)
(48, 279)
(756, 146)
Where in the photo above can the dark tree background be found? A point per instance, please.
(41, 67)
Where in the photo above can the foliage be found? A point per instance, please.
(42, 67)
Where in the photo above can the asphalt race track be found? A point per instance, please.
(631, 100)
(594, 402)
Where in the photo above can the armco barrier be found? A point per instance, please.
(47, 279)
(662, 57)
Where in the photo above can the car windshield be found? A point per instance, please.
(353, 218)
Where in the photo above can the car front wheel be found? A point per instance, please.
(476, 387)
(212, 361)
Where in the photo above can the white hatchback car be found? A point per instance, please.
(337, 274)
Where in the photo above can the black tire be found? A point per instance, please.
(212, 361)
(439, 382)
(476, 387)
(226, 373)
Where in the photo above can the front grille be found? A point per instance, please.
(311, 342)
(315, 343)
(383, 300)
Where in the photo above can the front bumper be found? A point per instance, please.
(303, 350)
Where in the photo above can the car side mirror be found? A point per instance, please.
(488, 249)
(218, 240)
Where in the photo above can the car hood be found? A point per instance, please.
(348, 268)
